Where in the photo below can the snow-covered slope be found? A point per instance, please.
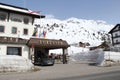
(74, 30)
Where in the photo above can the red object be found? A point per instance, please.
(34, 12)
(32, 46)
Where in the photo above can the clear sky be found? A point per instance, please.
(107, 10)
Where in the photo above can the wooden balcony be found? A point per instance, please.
(12, 40)
(116, 43)
(116, 36)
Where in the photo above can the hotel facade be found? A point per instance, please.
(16, 30)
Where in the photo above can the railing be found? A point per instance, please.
(118, 36)
(12, 40)
(116, 43)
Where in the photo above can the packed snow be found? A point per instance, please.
(97, 56)
(112, 57)
(13, 63)
(87, 56)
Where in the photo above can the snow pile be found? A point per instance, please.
(108, 58)
(98, 56)
(87, 56)
(14, 63)
(115, 56)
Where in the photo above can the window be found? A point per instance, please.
(14, 30)
(1, 28)
(16, 19)
(119, 28)
(25, 32)
(2, 16)
(116, 34)
(14, 51)
(116, 41)
(26, 20)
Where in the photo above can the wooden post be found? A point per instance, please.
(64, 55)
(32, 57)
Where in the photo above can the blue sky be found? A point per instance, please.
(107, 10)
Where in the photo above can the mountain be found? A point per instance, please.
(74, 30)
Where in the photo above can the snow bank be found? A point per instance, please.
(100, 57)
(114, 56)
(87, 56)
(14, 63)
(108, 58)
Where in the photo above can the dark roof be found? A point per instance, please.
(47, 43)
(19, 12)
(13, 6)
(12, 40)
(113, 28)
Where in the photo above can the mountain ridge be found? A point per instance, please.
(74, 30)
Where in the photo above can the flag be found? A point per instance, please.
(44, 33)
(33, 12)
(40, 34)
(35, 33)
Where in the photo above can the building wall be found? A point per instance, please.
(115, 40)
(117, 33)
(24, 51)
(2, 49)
(11, 16)
(116, 37)
(117, 45)
(8, 24)
(19, 25)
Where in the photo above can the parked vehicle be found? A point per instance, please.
(47, 62)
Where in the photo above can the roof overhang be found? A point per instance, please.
(112, 30)
(23, 13)
(47, 43)
(19, 10)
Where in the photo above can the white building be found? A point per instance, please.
(115, 33)
(16, 30)
(16, 27)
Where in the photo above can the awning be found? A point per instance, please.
(47, 43)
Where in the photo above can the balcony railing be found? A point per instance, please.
(13, 40)
(116, 43)
(116, 36)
